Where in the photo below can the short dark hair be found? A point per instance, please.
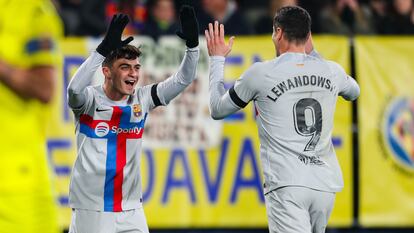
(129, 52)
(295, 23)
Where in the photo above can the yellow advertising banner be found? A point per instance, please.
(61, 130)
(198, 172)
(385, 71)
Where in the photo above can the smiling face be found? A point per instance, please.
(121, 78)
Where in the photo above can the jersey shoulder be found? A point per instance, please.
(260, 69)
(95, 90)
(144, 96)
(335, 67)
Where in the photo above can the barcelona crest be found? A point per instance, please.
(136, 108)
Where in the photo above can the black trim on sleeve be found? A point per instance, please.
(236, 99)
(154, 95)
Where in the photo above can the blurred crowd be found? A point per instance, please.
(241, 17)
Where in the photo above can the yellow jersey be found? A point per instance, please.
(29, 34)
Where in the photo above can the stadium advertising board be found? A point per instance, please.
(386, 130)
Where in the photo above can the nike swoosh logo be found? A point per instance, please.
(102, 110)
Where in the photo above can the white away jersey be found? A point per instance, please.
(295, 97)
(106, 174)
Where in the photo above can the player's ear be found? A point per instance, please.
(274, 34)
(106, 71)
(279, 34)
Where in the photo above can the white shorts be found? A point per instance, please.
(90, 221)
(295, 209)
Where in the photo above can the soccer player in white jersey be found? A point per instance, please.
(295, 96)
(105, 189)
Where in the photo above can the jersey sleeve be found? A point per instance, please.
(79, 91)
(245, 88)
(348, 88)
(220, 104)
(223, 103)
(87, 104)
(47, 29)
(162, 93)
(148, 96)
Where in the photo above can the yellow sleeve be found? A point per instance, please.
(42, 46)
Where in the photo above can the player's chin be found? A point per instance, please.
(130, 92)
(128, 89)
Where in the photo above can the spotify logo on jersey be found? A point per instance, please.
(101, 129)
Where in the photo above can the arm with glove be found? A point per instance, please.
(77, 91)
(174, 85)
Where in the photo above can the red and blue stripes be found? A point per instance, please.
(116, 150)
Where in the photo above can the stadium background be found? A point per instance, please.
(204, 175)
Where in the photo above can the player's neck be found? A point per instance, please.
(112, 93)
(293, 48)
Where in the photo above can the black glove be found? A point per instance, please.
(189, 26)
(112, 39)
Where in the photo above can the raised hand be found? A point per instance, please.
(216, 44)
(112, 39)
(189, 26)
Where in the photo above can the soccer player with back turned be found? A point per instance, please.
(105, 190)
(295, 96)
